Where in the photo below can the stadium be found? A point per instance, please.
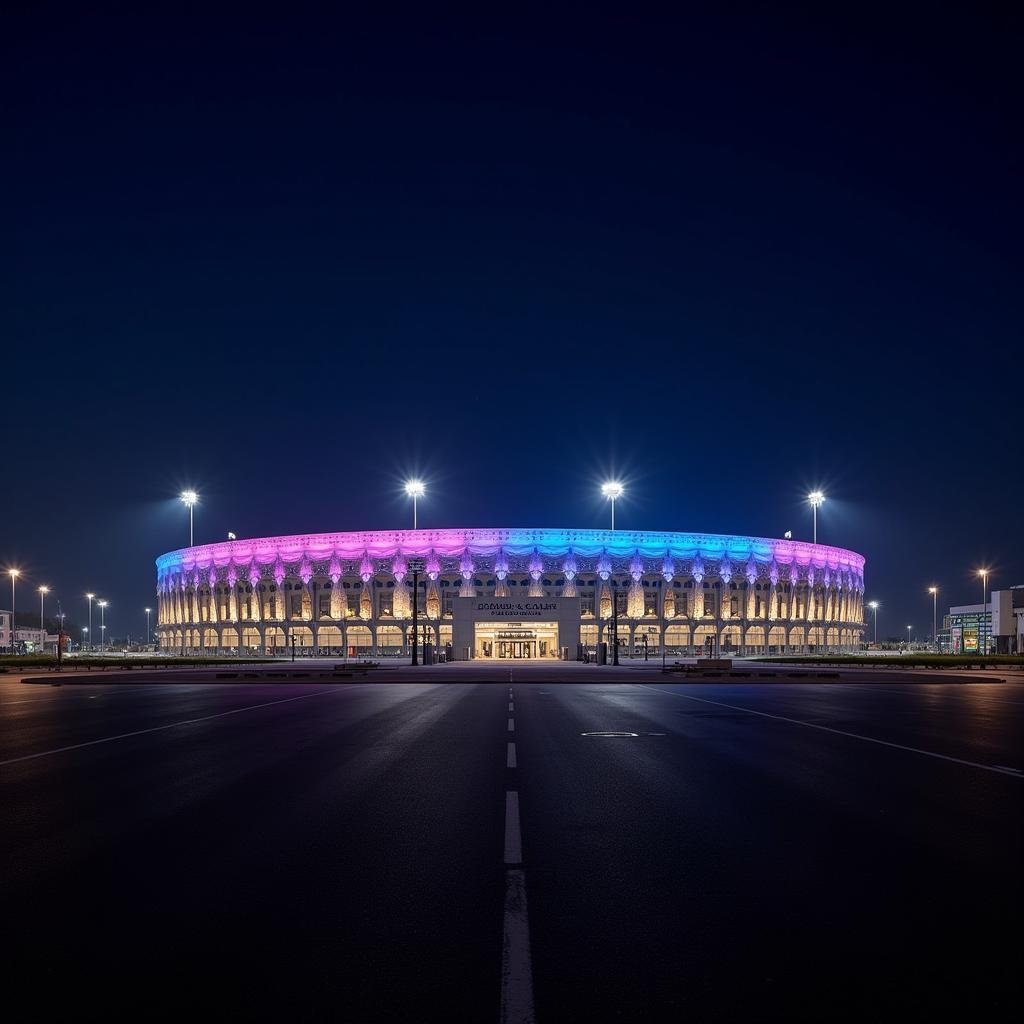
(510, 594)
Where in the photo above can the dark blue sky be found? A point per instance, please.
(728, 258)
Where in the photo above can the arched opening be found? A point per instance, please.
(390, 641)
(704, 640)
(303, 640)
(229, 638)
(251, 638)
(677, 640)
(731, 641)
(755, 640)
(275, 639)
(329, 640)
(360, 642)
(777, 640)
(797, 640)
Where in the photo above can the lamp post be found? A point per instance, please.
(90, 596)
(873, 605)
(190, 499)
(85, 633)
(817, 499)
(934, 591)
(615, 624)
(15, 573)
(612, 490)
(415, 567)
(909, 628)
(43, 591)
(103, 625)
(983, 647)
(149, 632)
(415, 489)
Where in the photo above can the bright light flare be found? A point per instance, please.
(612, 489)
(415, 488)
(189, 498)
(816, 498)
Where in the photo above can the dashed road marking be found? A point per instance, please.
(510, 757)
(516, 966)
(511, 706)
(511, 725)
(513, 838)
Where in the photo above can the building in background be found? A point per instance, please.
(993, 628)
(27, 640)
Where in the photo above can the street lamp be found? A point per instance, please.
(103, 625)
(43, 591)
(91, 598)
(149, 634)
(873, 605)
(415, 489)
(190, 498)
(15, 573)
(934, 591)
(909, 628)
(983, 573)
(85, 631)
(612, 490)
(817, 499)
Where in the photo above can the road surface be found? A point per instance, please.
(470, 847)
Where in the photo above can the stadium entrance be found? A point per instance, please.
(516, 641)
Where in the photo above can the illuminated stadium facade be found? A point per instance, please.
(497, 593)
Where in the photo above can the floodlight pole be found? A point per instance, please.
(615, 625)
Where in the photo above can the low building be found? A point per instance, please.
(996, 627)
(27, 639)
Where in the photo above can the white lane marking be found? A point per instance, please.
(609, 734)
(516, 967)
(511, 725)
(511, 706)
(513, 838)
(998, 769)
(170, 725)
(510, 758)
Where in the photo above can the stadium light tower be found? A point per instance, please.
(190, 499)
(817, 499)
(415, 489)
(14, 573)
(149, 631)
(934, 591)
(103, 625)
(612, 490)
(873, 605)
(983, 573)
(91, 599)
(43, 591)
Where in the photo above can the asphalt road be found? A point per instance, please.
(461, 849)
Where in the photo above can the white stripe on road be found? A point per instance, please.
(171, 725)
(511, 706)
(511, 725)
(510, 757)
(516, 968)
(513, 838)
(841, 732)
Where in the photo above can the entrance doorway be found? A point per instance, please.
(516, 641)
(517, 648)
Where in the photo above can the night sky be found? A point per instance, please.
(728, 259)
